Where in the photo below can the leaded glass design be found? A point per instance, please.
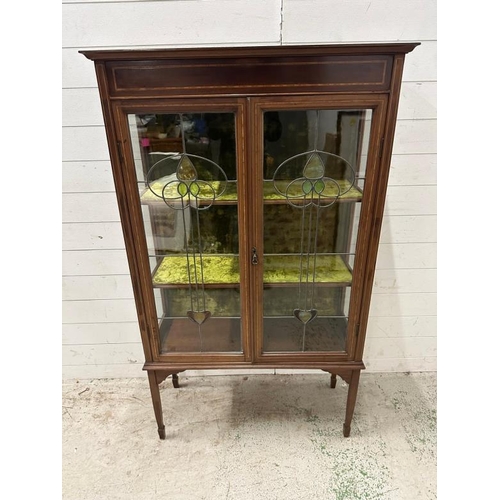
(186, 168)
(321, 188)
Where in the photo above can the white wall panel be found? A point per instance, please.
(321, 21)
(407, 256)
(406, 347)
(101, 333)
(77, 70)
(416, 169)
(404, 304)
(97, 287)
(421, 64)
(98, 311)
(84, 144)
(83, 371)
(103, 354)
(404, 280)
(94, 262)
(418, 101)
(87, 177)
(81, 107)
(386, 364)
(415, 137)
(409, 229)
(90, 207)
(165, 23)
(93, 236)
(411, 200)
(399, 327)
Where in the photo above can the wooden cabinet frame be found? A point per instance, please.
(248, 81)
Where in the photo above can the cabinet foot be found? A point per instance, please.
(175, 380)
(347, 430)
(161, 432)
(333, 381)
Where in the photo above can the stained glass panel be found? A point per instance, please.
(187, 182)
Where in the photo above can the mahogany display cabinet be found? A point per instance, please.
(251, 184)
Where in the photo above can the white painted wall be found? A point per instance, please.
(100, 330)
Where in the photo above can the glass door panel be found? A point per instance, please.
(186, 168)
(313, 178)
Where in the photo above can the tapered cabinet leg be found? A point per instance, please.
(175, 380)
(333, 381)
(351, 401)
(155, 396)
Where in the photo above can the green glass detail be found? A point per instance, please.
(319, 186)
(194, 188)
(182, 189)
(314, 168)
(307, 187)
(186, 170)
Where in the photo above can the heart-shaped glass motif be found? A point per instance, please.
(305, 316)
(199, 317)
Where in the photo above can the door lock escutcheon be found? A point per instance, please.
(255, 257)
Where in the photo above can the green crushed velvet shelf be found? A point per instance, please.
(223, 271)
(204, 195)
(329, 192)
(230, 194)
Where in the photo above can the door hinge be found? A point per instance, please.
(381, 147)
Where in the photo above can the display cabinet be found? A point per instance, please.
(251, 185)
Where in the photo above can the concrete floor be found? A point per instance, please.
(259, 437)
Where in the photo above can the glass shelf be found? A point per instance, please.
(223, 271)
(229, 195)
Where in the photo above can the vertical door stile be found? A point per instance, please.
(254, 140)
(136, 240)
(244, 221)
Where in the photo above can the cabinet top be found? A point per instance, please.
(247, 71)
(260, 51)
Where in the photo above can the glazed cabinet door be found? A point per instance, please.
(315, 170)
(186, 186)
